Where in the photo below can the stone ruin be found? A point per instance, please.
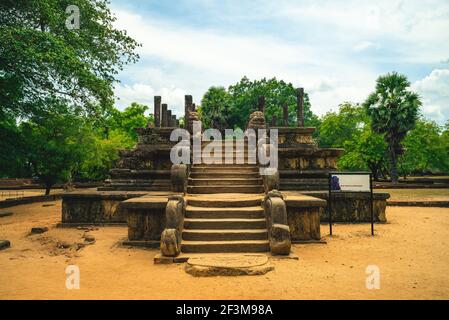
(219, 207)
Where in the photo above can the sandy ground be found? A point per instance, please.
(5, 194)
(417, 194)
(412, 252)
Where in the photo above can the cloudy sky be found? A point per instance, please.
(334, 49)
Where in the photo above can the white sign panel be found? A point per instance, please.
(350, 182)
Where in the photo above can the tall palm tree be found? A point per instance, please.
(393, 109)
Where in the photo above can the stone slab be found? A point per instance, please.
(298, 200)
(160, 259)
(4, 244)
(228, 265)
(5, 214)
(150, 201)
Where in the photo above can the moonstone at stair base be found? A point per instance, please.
(228, 265)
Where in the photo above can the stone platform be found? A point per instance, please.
(92, 207)
(228, 265)
(352, 207)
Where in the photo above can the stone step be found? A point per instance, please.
(135, 188)
(193, 223)
(224, 165)
(225, 189)
(306, 182)
(226, 212)
(224, 174)
(224, 234)
(224, 181)
(224, 170)
(227, 200)
(225, 246)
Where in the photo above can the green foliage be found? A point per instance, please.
(350, 128)
(12, 146)
(393, 110)
(54, 144)
(41, 59)
(214, 108)
(425, 150)
(337, 128)
(100, 153)
(233, 107)
(128, 120)
(365, 152)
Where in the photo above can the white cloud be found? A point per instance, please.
(144, 94)
(434, 91)
(365, 45)
(325, 49)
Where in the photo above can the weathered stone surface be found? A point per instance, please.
(145, 224)
(174, 212)
(304, 223)
(170, 243)
(271, 179)
(354, 206)
(63, 245)
(160, 259)
(38, 230)
(228, 265)
(277, 222)
(5, 214)
(280, 242)
(4, 244)
(89, 238)
(95, 207)
(300, 107)
(179, 177)
(256, 120)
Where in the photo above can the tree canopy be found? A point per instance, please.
(233, 106)
(393, 110)
(41, 59)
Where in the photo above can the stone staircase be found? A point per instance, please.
(224, 212)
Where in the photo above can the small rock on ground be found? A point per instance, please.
(89, 238)
(4, 244)
(38, 230)
(5, 214)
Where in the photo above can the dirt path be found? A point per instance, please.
(412, 252)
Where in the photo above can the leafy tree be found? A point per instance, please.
(100, 153)
(393, 109)
(54, 144)
(214, 108)
(128, 120)
(365, 151)
(245, 95)
(40, 58)
(12, 146)
(425, 150)
(350, 128)
(345, 125)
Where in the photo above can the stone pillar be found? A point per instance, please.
(300, 106)
(173, 121)
(168, 118)
(285, 115)
(188, 106)
(261, 104)
(193, 107)
(274, 121)
(164, 115)
(157, 111)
